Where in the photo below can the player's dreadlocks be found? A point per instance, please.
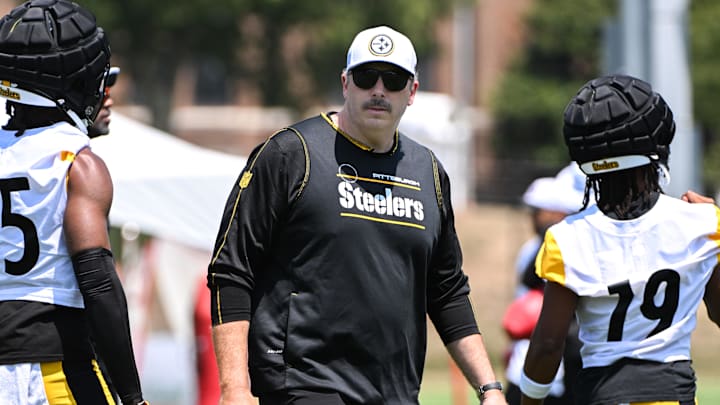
(619, 131)
(621, 194)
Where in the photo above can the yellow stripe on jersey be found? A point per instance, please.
(217, 299)
(716, 236)
(56, 384)
(549, 263)
(657, 403)
(387, 221)
(67, 156)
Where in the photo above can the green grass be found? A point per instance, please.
(707, 395)
(708, 392)
(436, 390)
(443, 398)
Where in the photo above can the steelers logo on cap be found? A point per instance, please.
(381, 45)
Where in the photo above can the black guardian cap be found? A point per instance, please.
(52, 54)
(617, 122)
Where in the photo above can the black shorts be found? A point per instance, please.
(632, 380)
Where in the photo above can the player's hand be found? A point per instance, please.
(693, 197)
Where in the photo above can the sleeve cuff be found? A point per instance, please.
(455, 320)
(229, 302)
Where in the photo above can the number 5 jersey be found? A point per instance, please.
(33, 189)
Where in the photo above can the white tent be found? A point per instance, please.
(175, 192)
(164, 186)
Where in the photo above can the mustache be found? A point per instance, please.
(377, 103)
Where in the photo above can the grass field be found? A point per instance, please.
(440, 394)
(436, 390)
(491, 236)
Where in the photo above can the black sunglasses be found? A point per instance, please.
(112, 76)
(365, 78)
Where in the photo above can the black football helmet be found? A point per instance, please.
(52, 54)
(617, 122)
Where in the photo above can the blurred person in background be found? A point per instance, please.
(59, 291)
(550, 200)
(337, 242)
(572, 177)
(634, 267)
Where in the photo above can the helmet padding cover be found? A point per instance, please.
(54, 49)
(617, 122)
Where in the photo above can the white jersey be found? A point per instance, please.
(33, 194)
(640, 281)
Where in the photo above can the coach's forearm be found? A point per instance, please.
(231, 350)
(471, 357)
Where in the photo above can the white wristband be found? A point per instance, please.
(533, 389)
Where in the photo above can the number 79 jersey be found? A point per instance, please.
(34, 261)
(639, 281)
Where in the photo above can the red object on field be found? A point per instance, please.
(208, 382)
(522, 315)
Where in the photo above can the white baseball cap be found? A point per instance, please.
(549, 193)
(382, 44)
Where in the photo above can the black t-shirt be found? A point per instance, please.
(342, 253)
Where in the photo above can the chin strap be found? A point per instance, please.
(663, 175)
(82, 124)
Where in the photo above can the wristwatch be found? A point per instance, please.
(481, 390)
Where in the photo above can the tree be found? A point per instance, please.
(291, 51)
(705, 55)
(151, 39)
(561, 53)
(327, 27)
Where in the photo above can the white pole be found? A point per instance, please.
(635, 36)
(670, 76)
